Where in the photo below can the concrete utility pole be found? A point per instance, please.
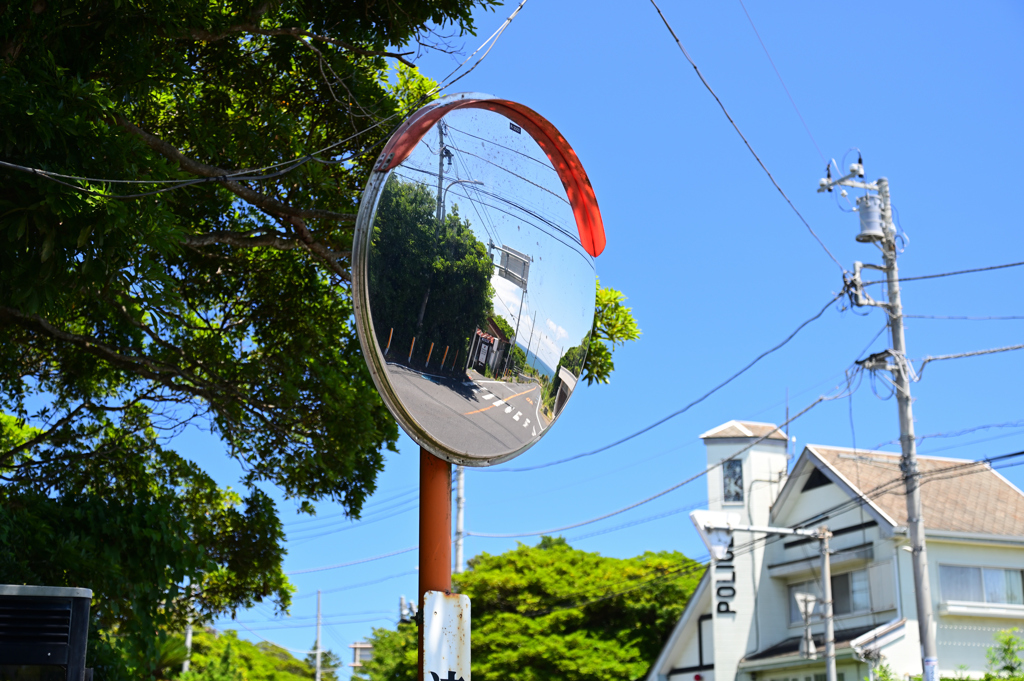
(876, 225)
(318, 635)
(188, 645)
(460, 516)
(826, 604)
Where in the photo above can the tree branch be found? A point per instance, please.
(265, 203)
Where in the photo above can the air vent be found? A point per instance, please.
(32, 620)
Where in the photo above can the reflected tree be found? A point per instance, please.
(428, 281)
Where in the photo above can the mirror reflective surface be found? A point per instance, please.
(474, 294)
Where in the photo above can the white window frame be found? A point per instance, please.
(817, 617)
(976, 605)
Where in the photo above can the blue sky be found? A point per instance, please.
(718, 268)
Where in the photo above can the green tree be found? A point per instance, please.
(614, 325)
(125, 314)
(222, 656)
(554, 612)
(1004, 658)
(427, 281)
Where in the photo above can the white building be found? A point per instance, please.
(742, 622)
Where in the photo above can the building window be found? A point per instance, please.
(850, 594)
(981, 585)
(732, 481)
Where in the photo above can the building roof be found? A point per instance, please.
(843, 637)
(957, 495)
(745, 429)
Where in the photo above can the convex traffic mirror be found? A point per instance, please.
(474, 278)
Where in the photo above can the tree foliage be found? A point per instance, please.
(1004, 658)
(614, 325)
(210, 287)
(222, 656)
(554, 612)
(428, 281)
(223, 302)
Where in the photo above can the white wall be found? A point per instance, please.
(736, 583)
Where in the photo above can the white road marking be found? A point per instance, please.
(508, 409)
(516, 417)
(488, 396)
(499, 403)
(527, 423)
(535, 432)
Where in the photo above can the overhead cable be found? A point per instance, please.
(354, 562)
(776, 69)
(246, 174)
(742, 137)
(947, 274)
(973, 319)
(679, 411)
(349, 587)
(960, 355)
(662, 493)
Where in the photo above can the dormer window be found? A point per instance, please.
(732, 481)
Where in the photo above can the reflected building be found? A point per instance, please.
(566, 384)
(489, 349)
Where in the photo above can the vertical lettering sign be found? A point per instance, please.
(725, 582)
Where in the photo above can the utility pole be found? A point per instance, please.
(460, 516)
(533, 325)
(440, 169)
(188, 643)
(876, 225)
(440, 198)
(826, 604)
(318, 635)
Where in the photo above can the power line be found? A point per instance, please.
(313, 617)
(891, 487)
(373, 504)
(354, 562)
(662, 493)
(961, 355)
(973, 319)
(742, 137)
(359, 585)
(494, 36)
(958, 433)
(648, 519)
(313, 624)
(515, 151)
(946, 274)
(513, 173)
(243, 175)
(679, 411)
(290, 650)
(297, 541)
(775, 68)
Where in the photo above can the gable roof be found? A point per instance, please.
(745, 429)
(957, 495)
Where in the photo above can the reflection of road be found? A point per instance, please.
(478, 417)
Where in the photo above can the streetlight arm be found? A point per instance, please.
(729, 527)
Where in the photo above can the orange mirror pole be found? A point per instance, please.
(435, 533)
